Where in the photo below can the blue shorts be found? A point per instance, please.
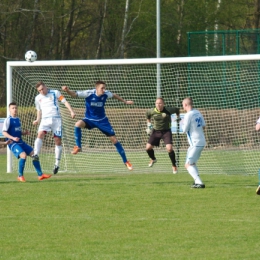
(18, 148)
(103, 125)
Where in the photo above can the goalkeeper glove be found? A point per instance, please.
(149, 128)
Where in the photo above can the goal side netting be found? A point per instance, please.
(226, 89)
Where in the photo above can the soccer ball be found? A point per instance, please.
(30, 56)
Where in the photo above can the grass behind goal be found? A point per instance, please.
(128, 216)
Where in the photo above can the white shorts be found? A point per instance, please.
(193, 154)
(51, 124)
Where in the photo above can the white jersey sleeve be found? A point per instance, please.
(192, 124)
(258, 121)
(87, 93)
(6, 124)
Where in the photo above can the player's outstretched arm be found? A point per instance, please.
(70, 92)
(128, 102)
(67, 104)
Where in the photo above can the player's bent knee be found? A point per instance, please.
(23, 155)
(113, 139)
(80, 124)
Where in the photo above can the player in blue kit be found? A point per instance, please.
(12, 130)
(95, 116)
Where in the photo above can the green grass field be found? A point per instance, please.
(128, 216)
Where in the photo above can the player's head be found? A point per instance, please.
(41, 88)
(13, 109)
(159, 103)
(187, 104)
(100, 87)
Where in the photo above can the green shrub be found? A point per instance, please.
(2, 111)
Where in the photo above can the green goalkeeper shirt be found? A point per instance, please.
(162, 119)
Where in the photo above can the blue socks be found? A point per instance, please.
(37, 167)
(21, 166)
(121, 151)
(77, 135)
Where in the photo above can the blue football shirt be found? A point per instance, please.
(95, 105)
(12, 126)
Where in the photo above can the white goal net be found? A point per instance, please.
(225, 89)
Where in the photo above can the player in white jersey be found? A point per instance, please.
(257, 128)
(193, 124)
(95, 116)
(49, 118)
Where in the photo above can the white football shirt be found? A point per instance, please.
(192, 124)
(49, 103)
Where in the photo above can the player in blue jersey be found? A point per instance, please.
(12, 130)
(95, 116)
(193, 124)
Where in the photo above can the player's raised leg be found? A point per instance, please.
(121, 152)
(77, 135)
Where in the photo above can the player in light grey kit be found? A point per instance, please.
(193, 124)
(257, 128)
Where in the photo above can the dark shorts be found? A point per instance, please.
(157, 135)
(103, 125)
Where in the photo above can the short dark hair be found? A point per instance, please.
(13, 104)
(100, 82)
(39, 84)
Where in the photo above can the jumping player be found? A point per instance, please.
(49, 118)
(95, 116)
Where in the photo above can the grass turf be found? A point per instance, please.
(128, 216)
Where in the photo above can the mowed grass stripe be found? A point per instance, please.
(129, 216)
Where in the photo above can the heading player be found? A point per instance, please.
(49, 118)
(95, 116)
(193, 124)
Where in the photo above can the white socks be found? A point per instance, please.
(193, 171)
(37, 146)
(58, 151)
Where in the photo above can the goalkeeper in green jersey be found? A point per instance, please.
(161, 129)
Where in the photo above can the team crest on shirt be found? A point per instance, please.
(163, 115)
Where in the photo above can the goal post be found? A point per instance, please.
(225, 89)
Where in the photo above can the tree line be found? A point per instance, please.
(111, 29)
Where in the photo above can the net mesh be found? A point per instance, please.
(226, 93)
